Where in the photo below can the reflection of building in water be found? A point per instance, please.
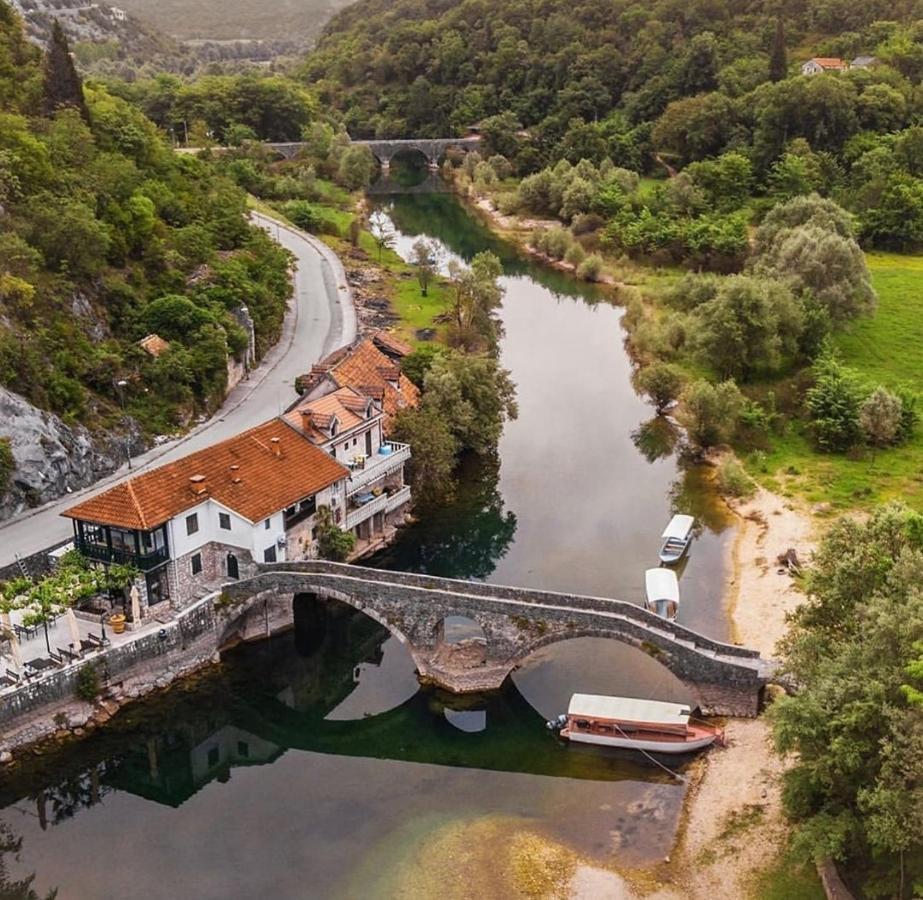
(227, 747)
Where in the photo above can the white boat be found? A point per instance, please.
(662, 591)
(676, 539)
(649, 725)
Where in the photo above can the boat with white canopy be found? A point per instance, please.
(649, 725)
(662, 592)
(676, 539)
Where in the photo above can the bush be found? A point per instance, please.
(833, 405)
(89, 683)
(733, 481)
(591, 268)
(710, 412)
(880, 417)
(575, 254)
(333, 542)
(311, 218)
(586, 223)
(557, 242)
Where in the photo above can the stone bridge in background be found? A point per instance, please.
(433, 149)
(723, 678)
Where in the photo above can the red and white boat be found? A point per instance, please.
(649, 725)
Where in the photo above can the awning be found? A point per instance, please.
(679, 527)
(628, 709)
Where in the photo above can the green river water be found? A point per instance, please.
(313, 765)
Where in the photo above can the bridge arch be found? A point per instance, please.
(727, 679)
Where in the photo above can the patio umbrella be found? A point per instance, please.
(74, 630)
(15, 651)
(135, 605)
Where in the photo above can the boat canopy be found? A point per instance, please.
(679, 528)
(661, 584)
(628, 709)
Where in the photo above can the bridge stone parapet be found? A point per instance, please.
(724, 678)
(385, 150)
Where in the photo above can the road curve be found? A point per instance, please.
(320, 318)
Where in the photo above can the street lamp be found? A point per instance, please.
(121, 385)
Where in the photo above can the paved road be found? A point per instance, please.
(321, 318)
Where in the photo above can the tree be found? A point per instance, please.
(63, 87)
(434, 452)
(476, 295)
(662, 382)
(424, 257)
(474, 395)
(357, 167)
(748, 327)
(333, 542)
(415, 365)
(808, 244)
(854, 789)
(833, 405)
(381, 231)
(710, 413)
(778, 57)
(880, 417)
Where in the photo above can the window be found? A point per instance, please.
(267, 524)
(224, 520)
(192, 523)
(214, 756)
(196, 563)
(243, 749)
(269, 555)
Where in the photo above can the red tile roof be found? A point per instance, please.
(391, 345)
(366, 369)
(255, 474)
(348, 405)
(830, 62)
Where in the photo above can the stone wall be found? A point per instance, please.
(128, 670)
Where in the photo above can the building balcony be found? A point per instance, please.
(398, 499)
(377, 466)
(365, 511)
(104, 554)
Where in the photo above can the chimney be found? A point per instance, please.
(306, 419)
(235, 474)
(198, 485)
(276, 446)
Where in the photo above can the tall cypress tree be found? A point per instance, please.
(778, 58)
(63, 87)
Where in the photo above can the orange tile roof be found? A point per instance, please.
(346, 404)
(154, 344)
(369, 371)
(830, 62)
(388, 343)
(276, 467)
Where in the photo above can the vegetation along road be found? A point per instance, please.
(320, 319)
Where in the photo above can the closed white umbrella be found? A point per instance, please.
(74, 629)
(135, 605)
(15, 652)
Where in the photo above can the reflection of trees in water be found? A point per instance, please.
(10, 888)
(464, 538)
(692, 492)
(655, 439)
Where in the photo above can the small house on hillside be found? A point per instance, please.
(820, 64)
(864, 62)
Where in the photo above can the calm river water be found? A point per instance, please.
(313, 765)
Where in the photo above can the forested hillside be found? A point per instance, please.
(623, 81)
(107, 236)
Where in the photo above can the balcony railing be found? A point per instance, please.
(377, 466)
(102, 553)
(366, 511)
(398, 499)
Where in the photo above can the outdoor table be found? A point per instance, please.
(41, 664)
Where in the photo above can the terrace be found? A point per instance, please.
(367, 470)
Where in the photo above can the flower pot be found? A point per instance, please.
(117, 622)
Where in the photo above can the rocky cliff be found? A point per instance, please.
(51, 458)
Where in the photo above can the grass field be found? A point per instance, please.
(886, 348)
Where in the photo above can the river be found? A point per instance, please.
(313, 765)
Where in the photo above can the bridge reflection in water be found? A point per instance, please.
(277, 696)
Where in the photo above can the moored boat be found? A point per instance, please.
(676, 539)
(649, 725)
(662, 592)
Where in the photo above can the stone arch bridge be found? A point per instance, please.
(724, 679)
(433, 149)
